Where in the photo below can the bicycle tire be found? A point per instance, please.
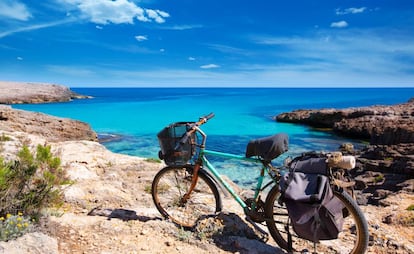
(169, 186)
(355, 227)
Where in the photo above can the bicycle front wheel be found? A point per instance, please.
(169, 186)
(353, 238)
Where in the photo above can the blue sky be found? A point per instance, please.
(261, 43)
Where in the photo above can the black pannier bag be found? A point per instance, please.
(169, 138)
(315, 213)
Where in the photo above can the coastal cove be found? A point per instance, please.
(108, 183)
(135, 115)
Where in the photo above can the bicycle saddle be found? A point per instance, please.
(269, 147)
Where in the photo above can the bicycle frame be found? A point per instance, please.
(217, 176)
(202, 156)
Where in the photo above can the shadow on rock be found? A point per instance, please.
(122, 214)
(231, 233)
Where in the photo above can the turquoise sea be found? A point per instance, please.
(138, 114)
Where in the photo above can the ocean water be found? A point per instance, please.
(136, 115)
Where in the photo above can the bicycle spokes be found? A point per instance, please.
(177, 199)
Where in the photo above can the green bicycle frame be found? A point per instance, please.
(217, 176)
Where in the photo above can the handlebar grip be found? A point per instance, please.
(204, 119)
(209, 116)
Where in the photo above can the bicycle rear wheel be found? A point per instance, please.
(169, 186)
(353, 238)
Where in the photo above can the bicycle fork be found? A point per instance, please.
(194, 180)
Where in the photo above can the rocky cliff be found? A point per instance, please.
(381, 125)
(384, 166)
(50, 127)
(19, 92)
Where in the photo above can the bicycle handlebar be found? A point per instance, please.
(202, 120)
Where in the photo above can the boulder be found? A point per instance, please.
(52, 128)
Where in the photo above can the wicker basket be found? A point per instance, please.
(169, 138)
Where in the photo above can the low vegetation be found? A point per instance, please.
(3, 137)
(153, 160)
(27, 185)
(13, 226)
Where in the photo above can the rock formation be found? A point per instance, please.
(50, 127)
(381, 125)
(18, 92)
(384, 166)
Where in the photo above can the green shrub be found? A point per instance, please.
(3, 138)
(148, 188)
(378, 179)
(153, 160)
(183, 235)
(31, 183)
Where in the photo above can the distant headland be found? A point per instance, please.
(379, 124)
(28, 92)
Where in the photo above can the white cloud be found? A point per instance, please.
(351, 10)
(116, 11)
(157, 15)
(19, 58)
(14, 10)
(263, 76)
(228, 49)
(191, 58)
(339, 24)
(279, 40)
(209, 66)
(141, 38)
(182, 27)
(353, 57)
(162, 50)
(99, 27)
(34, 27)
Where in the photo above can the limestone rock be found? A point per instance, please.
(50, 127)
(386, 125)
(21, 92)
(384, 166)
(31, 243)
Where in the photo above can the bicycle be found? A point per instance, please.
(187, 189)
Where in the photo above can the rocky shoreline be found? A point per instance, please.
(390, 153)
(380, 125)
(385, 167)
(109, 209)
(52, 128)
(20, 92)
